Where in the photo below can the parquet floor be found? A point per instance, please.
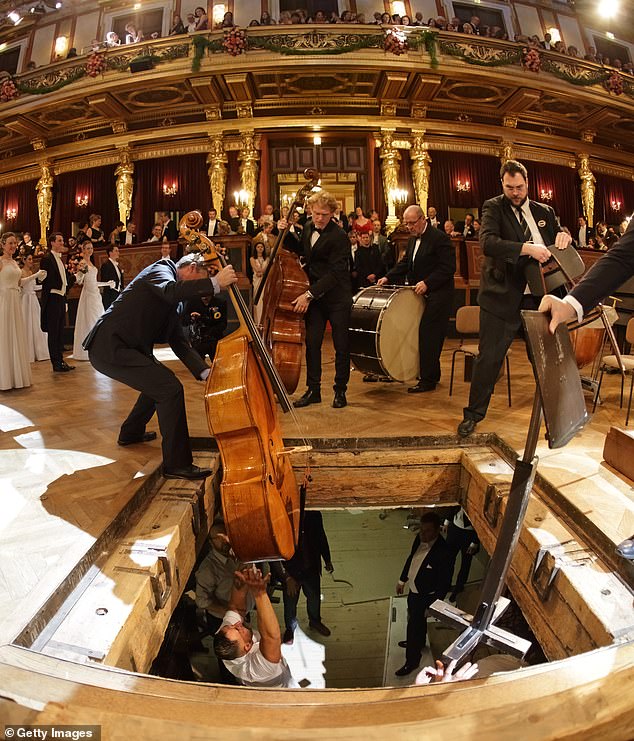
(63, 477)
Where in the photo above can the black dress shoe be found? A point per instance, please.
(420, 388)
(369, 378)
(310, 397)
(466, 427)
(402, 644)
(145, 438)
(63, 368)
(189, 472)
(405, 670)
(68, 367)
(319, 627)
(288, 637)
(340, 400)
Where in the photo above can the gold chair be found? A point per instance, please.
(468, 323)
(610, 362)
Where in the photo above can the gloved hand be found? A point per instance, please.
(41, 274)
(112, 284)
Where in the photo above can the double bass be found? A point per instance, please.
(261, 500)
(283, 281)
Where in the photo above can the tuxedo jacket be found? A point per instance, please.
(52, 281)
(433, 579)
(327, 262)
(236, 223)
(123, 237)
(215, 229)
(460, 227)
(148, 312)
(503, 277)
(108, 272)
(170, 230)
(589, 235)
(435, 262)
(608, 273)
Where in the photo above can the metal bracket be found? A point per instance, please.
(492, 501)
(162, 587)
(544, 571)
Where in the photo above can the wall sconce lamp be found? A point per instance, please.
(12, 214)
(463, 187)
(170, 190)
(241, 198)
(616, 205)
(398, 196)
(82, 200)
(546, 195)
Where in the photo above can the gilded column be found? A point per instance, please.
(506, 152)
(249, 157)
(390, 159)
(217, 160)
(44, 190)
(421, 168)
(124, 184)
(588, 182)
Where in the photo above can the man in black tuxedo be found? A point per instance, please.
(170, 230)
(466, 227)
(514, 231)
(604, 277)
(54, 288)
(120, 346)
(428, 569)
(429, 264)
(128, 236)
(211, 228)
(325, 250)
(584, 234)
(111, 271)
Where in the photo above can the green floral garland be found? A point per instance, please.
(428, 40)
(75, 74)
(201, 45)
(514, 57)
(274, 44)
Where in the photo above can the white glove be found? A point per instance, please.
(112, 284)
(41, 274)
(204, 373)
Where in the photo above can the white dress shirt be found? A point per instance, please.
(62, 271)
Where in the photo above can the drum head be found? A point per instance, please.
(398, 334)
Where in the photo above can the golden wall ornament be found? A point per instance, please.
(421, 168)
(249, 157)
(506, 152)
(217, 160)
(125, 184)
(390, 159)
(588, 182)
(44, 190)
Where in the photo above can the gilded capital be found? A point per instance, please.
(44, 188)
(587, 186)
(124, 174)
(217, 170)
(248, 157)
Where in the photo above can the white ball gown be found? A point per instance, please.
(36, 340)
(90, 308)
(15, 369)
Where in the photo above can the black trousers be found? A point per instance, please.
(161, 392)
(310, 584)
(416, 626)
(55, 320)
(319, 312)
(431, 334)
(459, 539)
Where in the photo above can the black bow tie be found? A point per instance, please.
(317, 231)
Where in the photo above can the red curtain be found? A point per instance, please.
(612, 190)
(563, 183)
(98, 185)
(482, 172)
(187, 172)
(23, 198)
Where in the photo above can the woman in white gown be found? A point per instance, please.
(15, 369)
(36, 340)
(90, 306)
(259, 261)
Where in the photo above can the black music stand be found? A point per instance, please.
(559, 395)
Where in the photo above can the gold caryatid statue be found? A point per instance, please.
(217, 160)
(587, 187)
(506, 152)
(390, 159)
(44, 190)
(249, 157)
(421, 161)
(125, 184)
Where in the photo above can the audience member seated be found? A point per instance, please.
(157, 234)
(112, 39)
(132, 34)
(191, 23)
(115, 234)
(450, 229)
(201, 18)
(177, 26)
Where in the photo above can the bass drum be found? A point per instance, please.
(384, 331)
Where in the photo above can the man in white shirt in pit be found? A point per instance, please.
(253, 656)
